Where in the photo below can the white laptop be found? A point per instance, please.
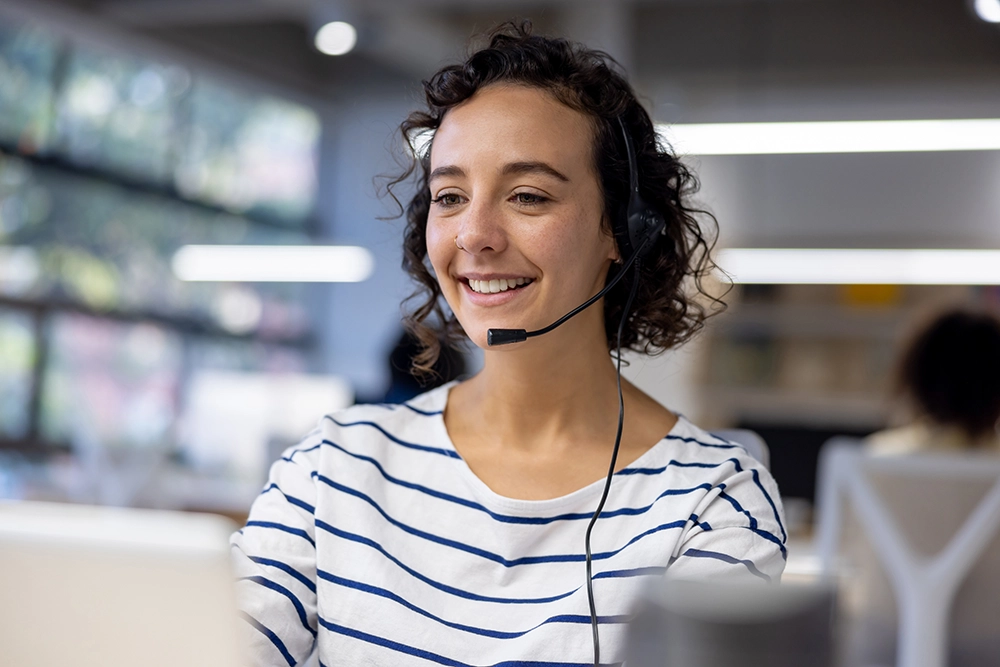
(110, 587)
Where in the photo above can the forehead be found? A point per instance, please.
(511, 123)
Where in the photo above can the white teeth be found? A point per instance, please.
(498, 285)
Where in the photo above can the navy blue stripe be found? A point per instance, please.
(482, 553)
(410, 445)
(425, 413)
(774, 509)
(767, 535)
(288, 529)
(408, 485)
(697, 464)
(430, 582)
(300, 451)
(506, 518)
(717, 445)
(278, 588)
(291, 499)
(634, 572)
(739, 508)
(284, 567)
(771, 538)
(704, 525)
(671, 464)
(484, 632)
(278, 644)
(434, 657)
(726, 558)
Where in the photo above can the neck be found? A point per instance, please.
(549, 387)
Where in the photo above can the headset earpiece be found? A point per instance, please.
(643, 224)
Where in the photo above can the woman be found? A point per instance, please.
(451, 530)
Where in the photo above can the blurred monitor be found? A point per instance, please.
(111, 587)
(718, 624)
(237, 423)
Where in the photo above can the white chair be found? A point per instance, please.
(750, 441)
(926, 547)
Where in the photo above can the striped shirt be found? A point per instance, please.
(374, 543)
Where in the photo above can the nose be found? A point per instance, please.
(481, 229)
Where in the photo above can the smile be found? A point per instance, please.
(497, 285)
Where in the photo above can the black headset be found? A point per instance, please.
(636, 236)
(642, 222)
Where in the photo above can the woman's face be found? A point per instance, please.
(513, 183)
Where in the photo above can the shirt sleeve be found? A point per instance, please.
(737, 532)
(274, 559)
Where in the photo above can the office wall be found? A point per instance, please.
(363, 319)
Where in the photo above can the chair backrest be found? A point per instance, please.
(750, 441)
(914, 529)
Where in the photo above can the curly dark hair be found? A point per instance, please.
(951, 368)
(671, 304)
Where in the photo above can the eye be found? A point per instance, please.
(529, 198)
(447, 199)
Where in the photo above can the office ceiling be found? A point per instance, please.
(746, 41)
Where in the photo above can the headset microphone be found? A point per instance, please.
(495, 337)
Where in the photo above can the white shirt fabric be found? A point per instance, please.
(375, 544)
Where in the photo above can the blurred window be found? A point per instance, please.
(119, 114)
(17, 360)
(27, 69)
(109, 164)
(109, 383)
(250, 155)
(67, 237)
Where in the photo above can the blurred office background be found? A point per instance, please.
(132, 128)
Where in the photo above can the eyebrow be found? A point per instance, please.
(511, 168)
(533, 168)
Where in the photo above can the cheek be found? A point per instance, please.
(575, 244)
(440, 246)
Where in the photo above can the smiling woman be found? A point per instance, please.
(466, 526)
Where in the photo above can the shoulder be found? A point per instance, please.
(900, 440)
(415, 424)
(737, 479)
(696, 445)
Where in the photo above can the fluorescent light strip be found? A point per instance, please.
(253, 264)
(812, 266)
(870, 136)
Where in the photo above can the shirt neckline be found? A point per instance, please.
(439, 400)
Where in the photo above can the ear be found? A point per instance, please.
(613, 253)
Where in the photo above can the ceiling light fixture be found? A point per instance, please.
(988, 10)
(258, 264)
(870, 136)
(816, 266)
(336, 38)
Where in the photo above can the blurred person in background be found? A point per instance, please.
(949, 377)
(451, 529)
